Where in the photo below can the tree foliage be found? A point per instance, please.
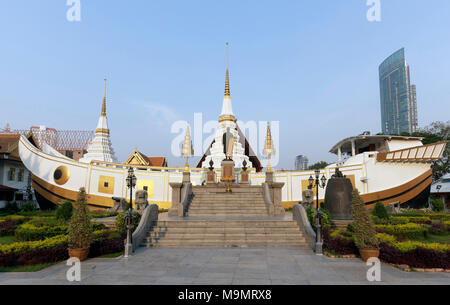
(80, 229)
(434, 133)
(363, 226)
(437, 132)
(318, 165)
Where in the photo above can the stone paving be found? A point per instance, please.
(214, 266)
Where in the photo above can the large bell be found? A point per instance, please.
(338, 197)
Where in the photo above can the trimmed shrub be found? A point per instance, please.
(102, 214)
(9, 224)
(380, 211)
(19, 247)
(326, 220)
(54, 250)
(364, 228)
(407, 231)
(7, 227)
(338, 243)
(413, 219)
(96, 226)
(106, 246)
(120, 221)
(437, 204)
(416, 258)
(64, 211)
(80, 229)
(438, 229)
(28, 206)
(30, 232)
(447, 225)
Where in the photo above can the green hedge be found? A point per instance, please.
(404, 231)
(30, 232)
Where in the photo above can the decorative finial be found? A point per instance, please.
(227, 78)
(187, 149)
(268, 150)
(104, 101)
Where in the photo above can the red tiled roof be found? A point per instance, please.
(7, 188)
(6, 140)
(154, 161)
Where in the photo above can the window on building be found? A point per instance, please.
(12, 174)
(69, 153)
(21, 175)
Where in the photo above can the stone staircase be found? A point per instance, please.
(227, 205)
(241, 233)
(215, 218)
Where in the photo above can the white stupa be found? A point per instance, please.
(100, 149)
(227, 127)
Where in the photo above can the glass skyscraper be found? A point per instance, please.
(398, 97)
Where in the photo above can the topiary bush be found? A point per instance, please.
(380, 211)
(363, 226)
(120, 221)
(64, 211)
(80, 229)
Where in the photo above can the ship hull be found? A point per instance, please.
(57, 179)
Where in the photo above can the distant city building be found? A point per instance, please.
(15, 179)
(397, 96)
(301, 163)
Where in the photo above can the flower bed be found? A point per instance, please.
(404, 231)
(337, 243)
(30, 232)
(54, 249)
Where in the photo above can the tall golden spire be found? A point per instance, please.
(227, 79)
(268, 150)
(104, 101)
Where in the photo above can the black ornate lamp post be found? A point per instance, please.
(129, 218)
(318, 183)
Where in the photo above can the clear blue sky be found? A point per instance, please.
(312, 65)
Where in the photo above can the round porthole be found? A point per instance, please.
(61, 175)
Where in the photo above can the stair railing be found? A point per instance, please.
(149, 219)
(268, 200)
(186, 199)
(299, 215)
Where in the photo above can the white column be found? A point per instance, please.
(339, 153)
(353, 148)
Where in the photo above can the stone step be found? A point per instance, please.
(224, 215)
(212, 234)
(243, 202)
(264, 231)
(223, 240)
(227, 224)
(161, 244)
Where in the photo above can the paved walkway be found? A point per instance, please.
(223, 266)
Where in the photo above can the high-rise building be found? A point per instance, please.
(414, 118)
(301, 163)
(397, 96)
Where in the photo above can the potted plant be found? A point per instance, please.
(80, 229)
(364, 229)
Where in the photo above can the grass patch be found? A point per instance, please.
(442, 239)
(6, 240)
(32, 268)
(111, 255)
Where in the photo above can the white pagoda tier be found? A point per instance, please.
(227, 129)
(100, 149)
